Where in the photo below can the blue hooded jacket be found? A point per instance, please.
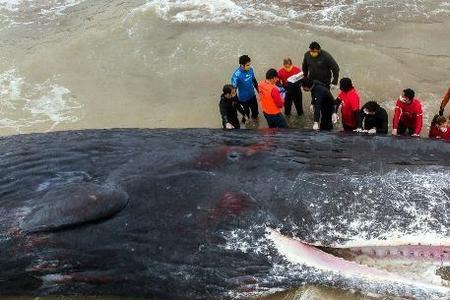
(245, 82)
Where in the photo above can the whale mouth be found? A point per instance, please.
(427, 266)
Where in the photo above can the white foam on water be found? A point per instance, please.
(24, 105)
(342, 16)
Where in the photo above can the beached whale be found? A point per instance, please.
(212, 214)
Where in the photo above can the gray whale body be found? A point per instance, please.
(187, 213)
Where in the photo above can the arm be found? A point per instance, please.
(397, 114)
(384, 122)
(305, 67)
(223, 112)
(445, 101)
(277, 97)
(235, 79)
(334, 69)
(239, 107)
(337, 103)
(360, 118)
(255, 82)
(419, 119)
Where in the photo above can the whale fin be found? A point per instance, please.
(72, 205)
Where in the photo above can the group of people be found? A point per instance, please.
(318, 75)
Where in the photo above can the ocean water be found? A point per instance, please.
(74, 64)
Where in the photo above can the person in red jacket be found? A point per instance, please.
(439, 128)
(348, 99)
(271, 101)
(292, 87)
(408, 115)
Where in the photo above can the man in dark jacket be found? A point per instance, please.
(229, 106)
(322, 103)
(372, 118)
(319, 65)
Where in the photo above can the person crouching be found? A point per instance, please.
(229, 106)
(439, 128)
(271, 100)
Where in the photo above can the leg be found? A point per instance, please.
(246, 107)
(281, 121)
(270, 121)
(297, 97)
(326, 111)
(288, 104)
(401, 129)
(254, 107)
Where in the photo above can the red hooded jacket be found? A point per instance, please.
(436, 133)
(411, 115)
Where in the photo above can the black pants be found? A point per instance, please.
(234, 122)
(326, 111)
(276, 121)
(293, 95)
(251, 105)
(402, 129)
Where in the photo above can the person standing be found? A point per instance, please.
(372, 118)
(348, 100)
(319, 65)
(322, 103)
(408, 115)
(444, 101)
(293, 90)
(244, 80)
(271, 101)
(229, 106)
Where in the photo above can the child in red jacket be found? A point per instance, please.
(439, 128)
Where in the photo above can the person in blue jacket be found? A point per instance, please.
(244, 80)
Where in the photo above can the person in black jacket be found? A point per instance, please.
(318, 64)
(322, 103)
(229, 106)
(372, 118)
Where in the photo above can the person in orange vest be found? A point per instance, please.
(444, 101)
(271, 101)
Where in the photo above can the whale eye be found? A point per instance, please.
(233, 156)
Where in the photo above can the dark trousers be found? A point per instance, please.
(234, 122)
(326, 111)
(402, 129)
(251, 105)
(276, 121)
(293, 95)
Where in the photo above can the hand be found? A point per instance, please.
(394, 131)
(334, 118)
(441, 111)
(415, 135)
(358, 130)
(311, 108)
(316, 126)
(229, 126)
(372, 131)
